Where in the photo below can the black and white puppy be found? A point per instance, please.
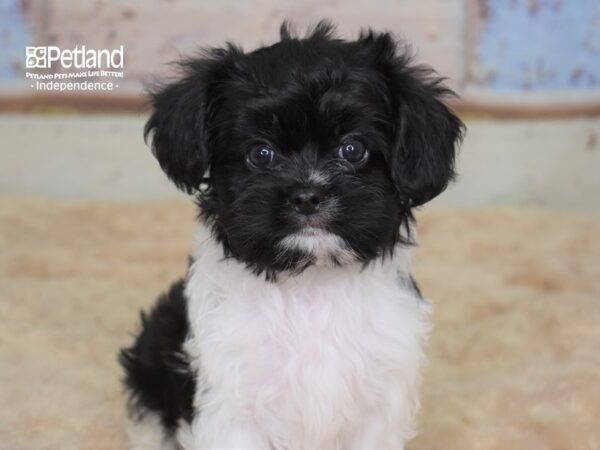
(299, 325)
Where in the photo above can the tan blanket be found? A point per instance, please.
(514, 356)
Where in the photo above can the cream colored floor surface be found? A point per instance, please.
(514, 359)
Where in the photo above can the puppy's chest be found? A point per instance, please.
(317, 346)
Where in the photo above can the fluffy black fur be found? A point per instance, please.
(158, 376)
(304, 99)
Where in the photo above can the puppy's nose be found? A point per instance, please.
(306, 200)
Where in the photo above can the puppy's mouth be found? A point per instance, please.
(311, 224)
(310, 231)
(319, 245)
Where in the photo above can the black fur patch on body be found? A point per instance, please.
(157, 373)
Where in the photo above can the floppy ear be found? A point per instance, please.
(179, 124)
(426, 137)
(425, 132)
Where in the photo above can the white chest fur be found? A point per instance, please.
(328, 359)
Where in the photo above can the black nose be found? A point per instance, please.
(306, 200)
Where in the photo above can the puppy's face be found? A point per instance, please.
(316, 148)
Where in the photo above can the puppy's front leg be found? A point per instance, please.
(216, 429)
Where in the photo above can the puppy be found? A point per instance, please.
(299, 325)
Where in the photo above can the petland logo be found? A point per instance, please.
(78, 58)
(58, 64)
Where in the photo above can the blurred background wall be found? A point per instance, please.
(527, 72)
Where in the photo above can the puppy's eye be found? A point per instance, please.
(260, 156)
(354, 152)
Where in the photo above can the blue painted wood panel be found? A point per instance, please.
(15, 35)
(539, 45)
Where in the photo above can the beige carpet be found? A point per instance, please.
(514, 358)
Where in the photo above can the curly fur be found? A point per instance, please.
(295, 330)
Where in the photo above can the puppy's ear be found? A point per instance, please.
(425, 133)
(179, 124)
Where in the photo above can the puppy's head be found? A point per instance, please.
(309, 151)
